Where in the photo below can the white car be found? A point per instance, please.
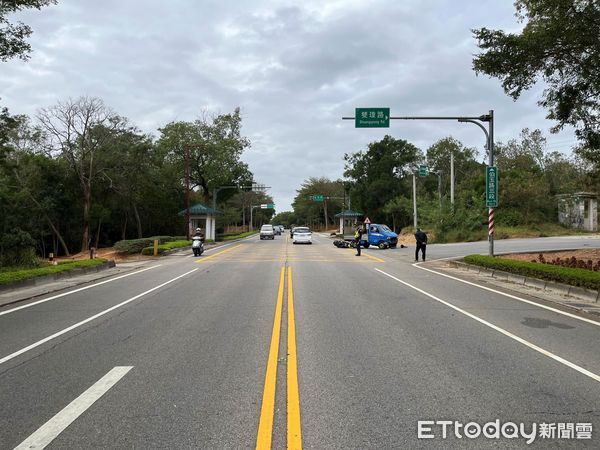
(267, 232)
(302, 235)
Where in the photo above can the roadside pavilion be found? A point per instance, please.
(203, 217)
(348, 219)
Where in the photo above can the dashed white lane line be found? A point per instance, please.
(29, 305)
(89, 319)
(544, 352)
(51, 429)
(514, 297)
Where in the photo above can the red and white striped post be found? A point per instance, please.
(491, 230)
(491, 164)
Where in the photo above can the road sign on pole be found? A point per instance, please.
(317, 198)
(367, 221)
(491, 187)
(422, 171)
(372, 118)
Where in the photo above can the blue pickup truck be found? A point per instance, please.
(379, 235)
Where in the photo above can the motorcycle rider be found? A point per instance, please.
(197, 245)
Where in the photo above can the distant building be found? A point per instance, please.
(578, 210)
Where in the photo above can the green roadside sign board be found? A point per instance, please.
(422, 171)
(267, 206)
(372, 118)
(317, 198)
(491, 187)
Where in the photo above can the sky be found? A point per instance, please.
(294, 69)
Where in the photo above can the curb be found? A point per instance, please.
(45, 279)
(586, 295)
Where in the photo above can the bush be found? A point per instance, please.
(132, 246)
(576, 277)
(18, 274)
(164, 247)
(17, 249)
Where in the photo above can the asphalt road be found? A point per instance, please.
(265, 343)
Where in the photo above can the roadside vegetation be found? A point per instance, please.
(378, 185)
(574, 276)
(231, 237)
(14, 274)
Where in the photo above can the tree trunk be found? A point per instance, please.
(138, 221)
(46, 216)
(124, 229)
(98, 234)
(87, 204)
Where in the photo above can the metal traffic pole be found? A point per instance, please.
(415, 201)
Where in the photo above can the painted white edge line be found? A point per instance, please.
(89, 319)
(29, 305)
(51, 429)
(514, 297)
(544, 352)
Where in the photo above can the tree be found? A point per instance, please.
(305, 208)
(78, 130)
(381, 174)
(286, 218)
(215, 147)
(559, 44)
(13, 36)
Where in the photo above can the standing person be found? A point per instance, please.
(357, 238)
(421, 238)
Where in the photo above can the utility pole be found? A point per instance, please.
(439, 174)
(491, 164)
(187, 192)
(415, 201)
(452, 180)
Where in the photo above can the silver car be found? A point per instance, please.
(302, 235)
(267, 232)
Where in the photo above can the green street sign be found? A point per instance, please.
(372, 118)
(422, 171)
(267, 206)
(491, 187)
(317, 198)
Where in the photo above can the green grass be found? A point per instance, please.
(575, 277)
(13, 274)
(539, 230)
(231, 237)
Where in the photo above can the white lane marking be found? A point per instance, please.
(89, 319)
(29, 305)
(51, 429)
(514, 297)
(579, 369)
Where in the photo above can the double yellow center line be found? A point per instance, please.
(265, 426)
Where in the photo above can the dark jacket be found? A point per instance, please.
(421, 237)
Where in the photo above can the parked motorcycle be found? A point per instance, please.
(197, 245)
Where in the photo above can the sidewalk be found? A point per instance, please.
(43, 285)
(37, 287)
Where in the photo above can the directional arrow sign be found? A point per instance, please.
(372, 118)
